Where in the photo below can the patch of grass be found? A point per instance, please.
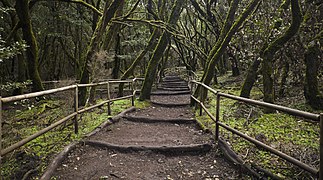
(289, 134)
(141, 104)
(30, 120)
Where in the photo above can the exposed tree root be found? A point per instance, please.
(57, 161)
(266, 172)
(30, 172)
(158, 120)
(196, 148)
(233, 157)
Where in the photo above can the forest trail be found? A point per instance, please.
(162, 141)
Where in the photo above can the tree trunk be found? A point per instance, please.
(117, 63)
(93, 47)
(151, 44)
(158, 52)
(311, 86)
(270, 51)
(250, 79)
(284, 79)
(152, 67)
(22, 10)
(219, 48)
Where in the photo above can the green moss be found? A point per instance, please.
(289, 134)
(32, 119)
(141, 104)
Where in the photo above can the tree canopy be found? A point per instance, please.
(92, 40)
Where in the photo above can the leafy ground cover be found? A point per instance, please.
(25, 118)
(289, 134)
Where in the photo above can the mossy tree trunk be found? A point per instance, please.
(108, 14)
(251, 78)
(225, 37)
(270, 51)
(311, 86)
(283, 81)
(22, 10)
(158, 52)
(151, 44)
(117, 52)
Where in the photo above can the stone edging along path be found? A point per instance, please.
(63, 154)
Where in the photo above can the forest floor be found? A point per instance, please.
(162, 141)
(290, 134)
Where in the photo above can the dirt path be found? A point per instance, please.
(162, 141)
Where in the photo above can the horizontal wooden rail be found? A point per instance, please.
(295, 112)
(205, 86)
(65, 119)
(307, 115)
(270, 149)
(36, 94)
(34, 136)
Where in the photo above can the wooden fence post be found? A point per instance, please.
(321, 148)
(217, 116)
(133, 94)
(201, 100)
(76, 108)
(109, 103)
(0, 135)
(191, 93)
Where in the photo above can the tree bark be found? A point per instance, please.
(117, 63)
(22, 10)
(250, 79)
(284, 79)
(94, 45)
(151, 44)
(219, 48)
(311, 86)
(270, 51)
(158, 52)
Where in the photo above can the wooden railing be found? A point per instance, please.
(216, 119)
(74, 115)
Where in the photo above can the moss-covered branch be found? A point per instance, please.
(218, 49)
(108, 14)
(81, 2)
(158, 52)
(272, 48)
(23, 13)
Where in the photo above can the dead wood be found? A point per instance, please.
(162, 149)
(30, 172)
(266, 172)
(57, 161)
(233, 157)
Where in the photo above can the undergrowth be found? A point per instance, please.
(289, 134)
(25, 118)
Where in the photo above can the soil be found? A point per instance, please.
(158, 111)
(94, 162)
(177, 99)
